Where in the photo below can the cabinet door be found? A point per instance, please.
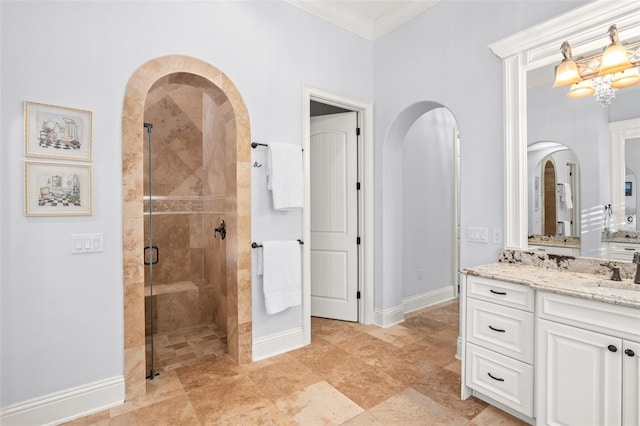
(631, 384)
(579, 376)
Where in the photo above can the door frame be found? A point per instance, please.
(365, 202)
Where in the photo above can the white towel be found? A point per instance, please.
(567, 196)
(260, 262)
(282, 275)
(284, 175)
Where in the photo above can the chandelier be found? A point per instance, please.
(601, 74)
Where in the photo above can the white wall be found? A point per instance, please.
(428, 187)
(442, 56)
(62, 314)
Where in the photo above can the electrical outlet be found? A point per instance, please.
(496, 235)
(420, 274)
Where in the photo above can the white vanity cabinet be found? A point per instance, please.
(587, 362)
(498, 343)
(620, 251)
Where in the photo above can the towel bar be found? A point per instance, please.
(256, 245)
(256, 144)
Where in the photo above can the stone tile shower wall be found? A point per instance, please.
(188, 203)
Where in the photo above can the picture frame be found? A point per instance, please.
(57, 132)
(58, 189)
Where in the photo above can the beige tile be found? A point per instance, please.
(281, 379)
(163, 387)
(408, 407)
(172, 411)
(319, 403)
(491, 416)
(443, 386)
(365, 386)
(101, 418)
(234, 400)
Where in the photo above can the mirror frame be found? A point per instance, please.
(586, 29)
(620, 131)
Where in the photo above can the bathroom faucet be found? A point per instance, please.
(615, 270)
(636, 260)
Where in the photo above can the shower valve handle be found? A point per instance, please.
(222, 229)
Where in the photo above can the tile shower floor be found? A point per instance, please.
(185, 346)
(351, 374)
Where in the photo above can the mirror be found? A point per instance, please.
(537, 48)
(625, 166)
(553, 201)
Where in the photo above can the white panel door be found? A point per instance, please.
(579, 376)
(631, 384)
(334, 216)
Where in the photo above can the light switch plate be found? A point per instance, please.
(478, 234)
(87, 243)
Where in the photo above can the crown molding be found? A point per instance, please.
(339, 14)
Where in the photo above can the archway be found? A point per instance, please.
(238, 275)
(392, 210)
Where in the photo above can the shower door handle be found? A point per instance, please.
(155, 254)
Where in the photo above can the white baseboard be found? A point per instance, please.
(66, 405)
(278, 343)
(420, 301)
(388, 317)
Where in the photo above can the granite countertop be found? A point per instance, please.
(578, 284)
(630, 237)
(554, 241)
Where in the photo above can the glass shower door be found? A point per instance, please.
(151, 257)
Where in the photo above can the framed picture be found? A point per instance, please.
(57, 132)
(57, 189)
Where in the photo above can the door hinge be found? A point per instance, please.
(358, 295)
(358, 186)
(357, 131)
(358, 241)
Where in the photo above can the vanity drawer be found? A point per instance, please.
(502, 329)
(499, 377)
(607, 318)
(622, 252)
(501, 292)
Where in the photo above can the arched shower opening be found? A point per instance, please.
(223, 173)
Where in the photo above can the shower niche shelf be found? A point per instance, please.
(170, 288)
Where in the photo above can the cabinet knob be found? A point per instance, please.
(629, 352)
(612, 348)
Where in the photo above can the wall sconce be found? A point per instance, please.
(601, 74)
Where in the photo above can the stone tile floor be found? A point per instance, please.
(351, 374)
